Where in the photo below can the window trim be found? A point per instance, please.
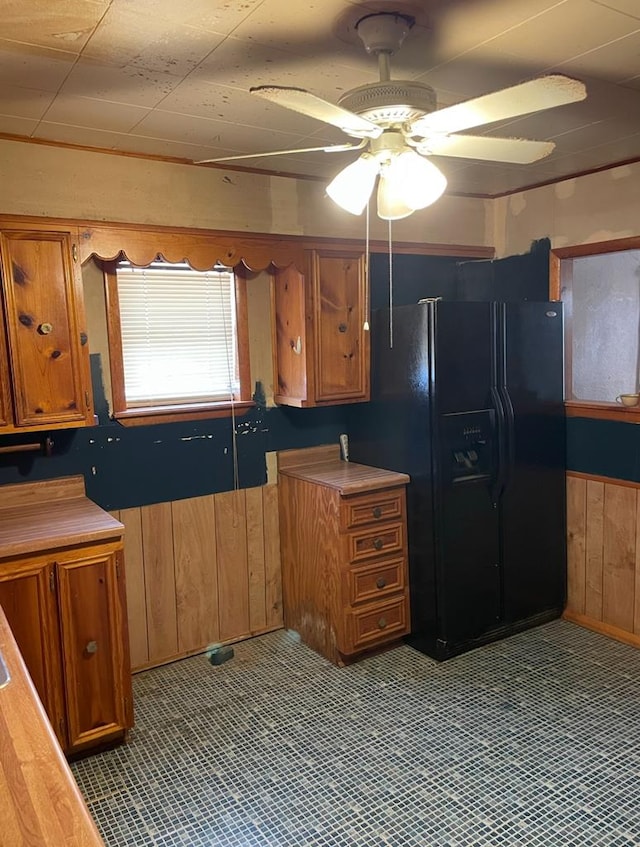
(144, 415)
(561, 275)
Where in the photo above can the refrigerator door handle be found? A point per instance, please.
(501, 443)
(509, 435)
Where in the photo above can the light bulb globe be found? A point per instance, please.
(352, 187)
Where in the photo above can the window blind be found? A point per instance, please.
(179, 338)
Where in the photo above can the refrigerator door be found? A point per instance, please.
(466, 450)
(533, 505)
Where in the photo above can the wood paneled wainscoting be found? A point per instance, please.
(603, 555)
(201, 571)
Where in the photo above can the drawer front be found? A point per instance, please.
(373, 625)
(375, 581)
(373, 508)
(388, 538)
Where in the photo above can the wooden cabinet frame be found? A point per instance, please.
(44, 361)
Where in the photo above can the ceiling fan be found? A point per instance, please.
(398, 126)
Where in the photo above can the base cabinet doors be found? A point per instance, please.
(28, 598)
(68, 615)
(96, 683)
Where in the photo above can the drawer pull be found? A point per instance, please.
(91, 648)
(377, 512)
(381, 582)
(378, 543)
(382, 623)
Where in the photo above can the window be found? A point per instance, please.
(600, 287)
(177, 340)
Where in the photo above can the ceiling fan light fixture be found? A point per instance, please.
(391, 204)
(352, 187)
(416, 180)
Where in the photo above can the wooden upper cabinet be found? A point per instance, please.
(321, 346)
(48, 366)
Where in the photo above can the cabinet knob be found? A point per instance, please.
(91, 648)
(382, 623)
(342, 327)
(377, 512)
(377, 543)
(45, 329)
(381, 582)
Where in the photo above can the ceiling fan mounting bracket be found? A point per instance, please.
(384, 32)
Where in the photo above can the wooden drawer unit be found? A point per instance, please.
(372, 625)
(375, 581)
(344, 553)
(387, 538)
(364, 509)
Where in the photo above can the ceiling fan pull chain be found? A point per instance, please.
(367, 273)
(390, 289)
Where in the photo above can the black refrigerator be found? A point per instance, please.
(467, 398)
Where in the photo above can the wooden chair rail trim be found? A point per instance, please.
(608, 480)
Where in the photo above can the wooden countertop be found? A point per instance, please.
(40, 803)
(38, 516)
(319, 466)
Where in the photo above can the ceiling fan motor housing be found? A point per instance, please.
(390, 103)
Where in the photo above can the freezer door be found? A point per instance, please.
(533, 504)
(468, 529)
(466, 470)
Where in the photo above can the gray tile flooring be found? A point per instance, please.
(532, 741)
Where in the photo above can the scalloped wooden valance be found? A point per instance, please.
(202, 249)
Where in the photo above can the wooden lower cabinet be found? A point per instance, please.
(344, 556)
(28, 597)
(67, 612)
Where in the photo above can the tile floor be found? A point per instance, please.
(531, 741)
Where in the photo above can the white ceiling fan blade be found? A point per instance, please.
(519, 151)
(299, 100)
(330, 148)
(545, 92)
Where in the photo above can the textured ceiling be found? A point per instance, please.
(171, 77)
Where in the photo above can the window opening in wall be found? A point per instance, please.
(600, 288)
(605, 324)
(175, 337)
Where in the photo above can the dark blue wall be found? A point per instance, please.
(604, 448)
(134, 466)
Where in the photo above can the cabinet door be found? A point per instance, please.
(42, 326)
(6, 406)
(27, 596)
(95, 659)
(290, 337)
(341, 343)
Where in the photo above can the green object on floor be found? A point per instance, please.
(220, 654)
